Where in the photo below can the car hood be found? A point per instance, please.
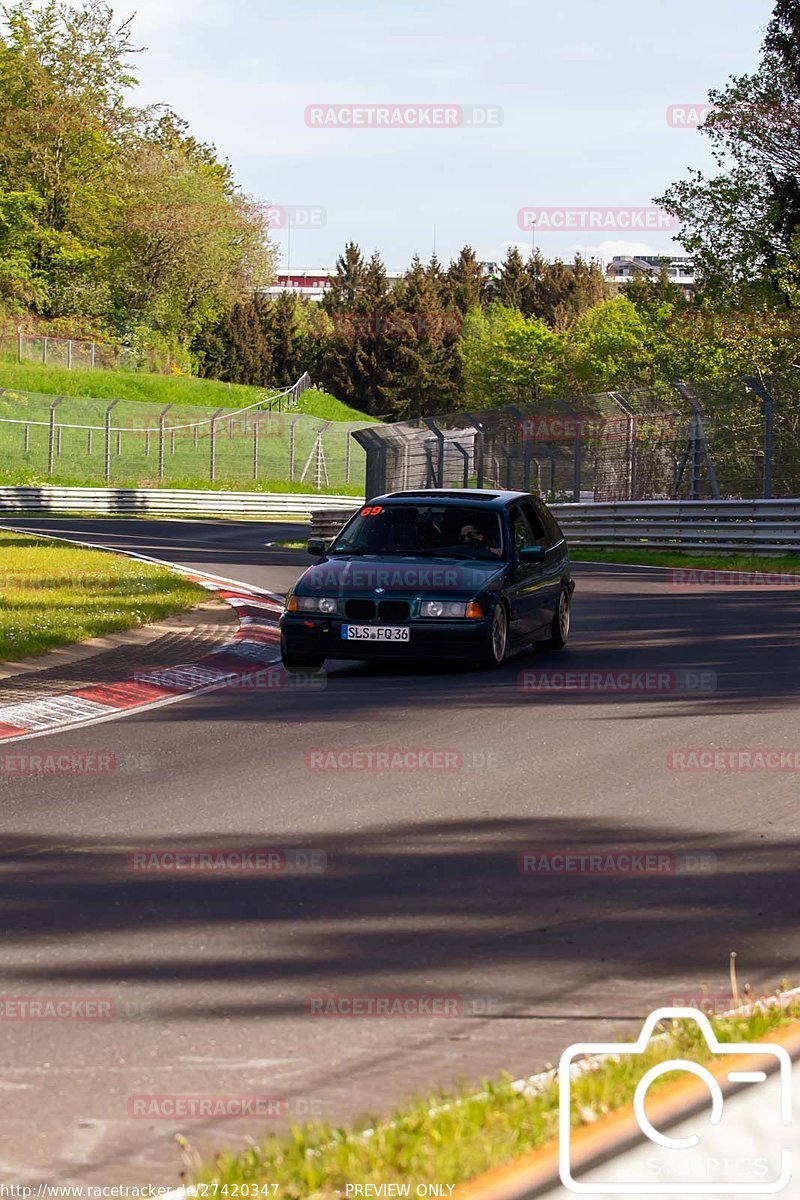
(400, 575)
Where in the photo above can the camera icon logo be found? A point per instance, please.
(689, 1165)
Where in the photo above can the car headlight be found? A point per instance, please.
(450, 609)
(322, 604)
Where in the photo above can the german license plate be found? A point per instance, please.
(376, 633)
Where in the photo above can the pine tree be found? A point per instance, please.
(424, 366)
(467, 282)
(512, 285)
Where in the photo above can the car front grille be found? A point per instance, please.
(393, 610)
(360, 610)
(367, 610)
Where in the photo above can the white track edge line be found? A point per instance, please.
(150, 705)
(249, 588)
(117, 713)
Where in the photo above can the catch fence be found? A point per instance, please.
(129, 443)
(733, 439)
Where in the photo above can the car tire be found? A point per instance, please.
(293, 661)
(496, 644)
(559, 629)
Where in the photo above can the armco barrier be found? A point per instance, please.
(754, 526)
(757, 526)
(164, 502)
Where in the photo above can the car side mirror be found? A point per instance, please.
(532, 554)
(318, 547)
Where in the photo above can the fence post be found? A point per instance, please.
(51, 444)
(44, 350)
(19, 343)
(255, 445)
(292, 424)
(69, 354)
(577, 463)
(755, 385)
(27, 438)
(161, 416)
(108, 440)
(437, 433)
(465, 455)
(212, 463)
(92, 360)
(619, 399)
(697, 446)
(527, 447)
(347, 457)
(89, 443)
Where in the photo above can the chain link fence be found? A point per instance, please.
(128, 443)
(72, 353)
(735, 439)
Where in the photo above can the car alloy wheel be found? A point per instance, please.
(499, 634)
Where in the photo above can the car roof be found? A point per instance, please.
(493, 498)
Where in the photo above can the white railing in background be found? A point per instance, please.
(163, 502)
(759, 526)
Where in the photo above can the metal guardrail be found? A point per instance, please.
(757, 526)
(132, 502)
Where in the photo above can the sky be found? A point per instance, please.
(572, 104)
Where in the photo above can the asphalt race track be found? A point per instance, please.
(212, 979)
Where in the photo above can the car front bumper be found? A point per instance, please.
(458, 640)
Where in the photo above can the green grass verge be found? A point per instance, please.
(24, 477)
(160, 390)
(52, 594)
(675, 558)
(451, 1138)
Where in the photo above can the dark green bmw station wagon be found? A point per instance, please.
(469, 575)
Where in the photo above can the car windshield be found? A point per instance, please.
(446, 531)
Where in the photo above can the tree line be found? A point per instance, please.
(392, 348)
(115, 221)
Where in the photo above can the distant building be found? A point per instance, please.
(679, 268)
(314, 283)
(311, 283)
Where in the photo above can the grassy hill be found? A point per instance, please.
(159, 390)
(282, 458)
